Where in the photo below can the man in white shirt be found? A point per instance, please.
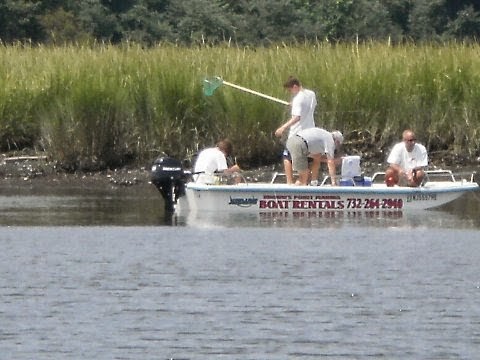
(407, 162)
(214, 160)
(315, 143)
(303, 107)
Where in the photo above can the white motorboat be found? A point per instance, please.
(361, 194)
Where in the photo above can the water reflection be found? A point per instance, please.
(141, 205)
(460, 214)
(440, 218)
(78, 205)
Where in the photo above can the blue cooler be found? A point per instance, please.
(358, 180)
(362, 181)
(346, 182)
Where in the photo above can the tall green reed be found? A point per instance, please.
(104, 106)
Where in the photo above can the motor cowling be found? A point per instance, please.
(169, 177)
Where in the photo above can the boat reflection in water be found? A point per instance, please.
(461, 213)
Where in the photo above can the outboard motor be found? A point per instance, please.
(169, 178)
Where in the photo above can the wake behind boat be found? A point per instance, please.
(358, 193)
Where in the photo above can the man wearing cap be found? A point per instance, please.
(315, 143)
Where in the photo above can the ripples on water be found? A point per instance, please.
(355, 287)
(252, 293)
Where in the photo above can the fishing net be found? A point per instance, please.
(210, 85)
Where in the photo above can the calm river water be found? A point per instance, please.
(101, 273)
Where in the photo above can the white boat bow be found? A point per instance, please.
(228, 196)
(273, 197)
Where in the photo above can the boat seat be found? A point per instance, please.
(351, 173)
(351, 167)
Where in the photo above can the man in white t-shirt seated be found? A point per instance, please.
(407, 162)
(214, 160)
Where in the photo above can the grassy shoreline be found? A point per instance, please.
(108, 107)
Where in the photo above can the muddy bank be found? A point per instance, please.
(21, 170)
(18, 171)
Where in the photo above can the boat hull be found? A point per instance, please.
(265, 198)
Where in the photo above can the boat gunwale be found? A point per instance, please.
(458, 186)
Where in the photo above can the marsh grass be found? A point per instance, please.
(104, 106)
